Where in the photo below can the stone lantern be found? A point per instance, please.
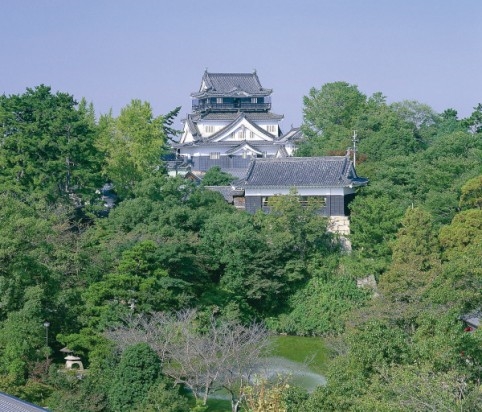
(71, 361)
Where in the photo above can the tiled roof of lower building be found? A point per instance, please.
(226, 191)
(11, 404)
(328, 171)
(237, 172)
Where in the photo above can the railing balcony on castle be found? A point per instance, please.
(227, 107)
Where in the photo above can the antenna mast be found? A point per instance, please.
(355, 140)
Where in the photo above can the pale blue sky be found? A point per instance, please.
(113, 51)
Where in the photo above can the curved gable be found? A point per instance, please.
(241, 129)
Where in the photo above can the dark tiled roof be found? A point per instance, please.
(231, 83)
(229, 143)
(11, 404)
(176, 164)
(241, 146)
(193, 127)
(294, 134)
(237, 172)
(282, 152)
(329, 171)
(226, 191)
(230, 116)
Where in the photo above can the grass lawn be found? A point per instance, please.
(294, 348)
(215, 405)
(301, 349)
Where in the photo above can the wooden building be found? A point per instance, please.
(231, 123)
(330, 179)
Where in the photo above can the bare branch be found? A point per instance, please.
(225, 354)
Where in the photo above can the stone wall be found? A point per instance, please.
(339, 224)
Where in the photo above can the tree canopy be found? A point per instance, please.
(217, 280)
(47, 145)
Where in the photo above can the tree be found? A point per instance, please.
(474, 122)
(133, 144)
(234, 252)
(216, 177)
(162, 398)
(138, 371)
(37, 268)
(318, 308)
(415, 258)
(25, 253)
(47, 146)
(204, 356)
(295, 228)
(471, 193)
(329, 117)
(267, 396)
(260, 260)
(139, 283)
(418, 114)
(375, 219)
(22, 336)
(465, 232)
(384, 134)
(420, 388)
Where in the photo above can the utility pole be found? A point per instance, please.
(355, 140)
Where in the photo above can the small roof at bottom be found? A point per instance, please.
(10, 403)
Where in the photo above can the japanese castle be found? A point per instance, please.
(232, 126)
(231, 123)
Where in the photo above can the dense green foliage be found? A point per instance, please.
(139, 369)
(170, 245)
(417, 229)
(47, 145)
(216, 177)
(132, 144)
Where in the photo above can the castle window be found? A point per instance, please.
(271, 128)
(254, 100)
(209, 128)
(306, 200)
(214, 155)
(265, 201)
(219, 100)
